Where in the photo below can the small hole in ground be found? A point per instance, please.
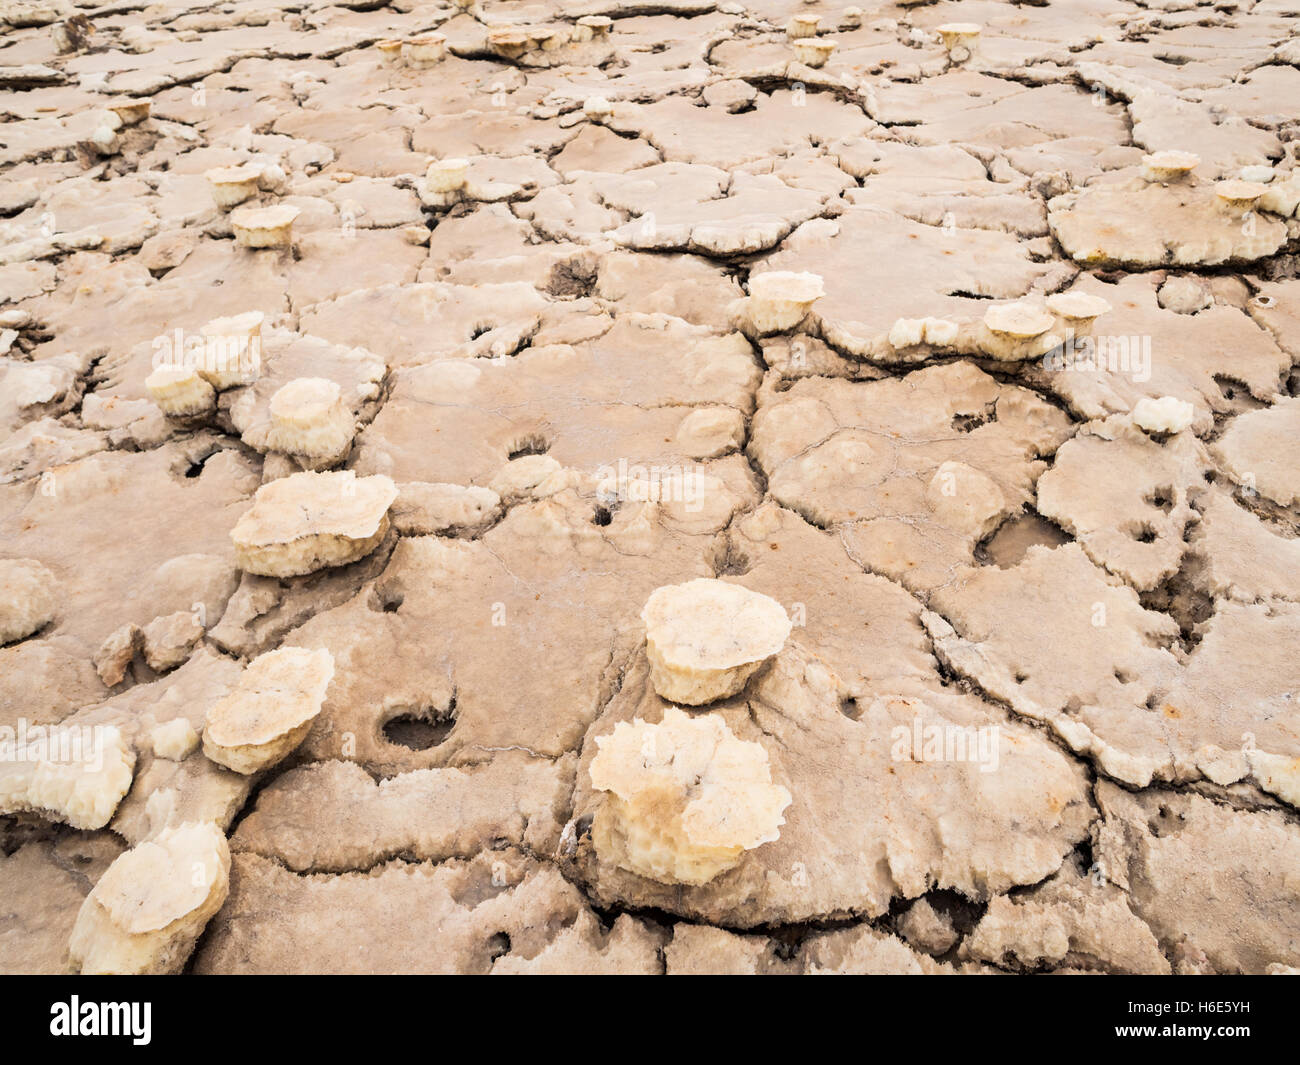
(419, 730)
(1161, 498)
(498, 946)
(386, 598)
(968, 423)
(1015, 536)
(195, 468)
(571, 280)
(729, 561)
(529, 445)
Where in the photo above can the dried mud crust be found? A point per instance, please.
(374, 379)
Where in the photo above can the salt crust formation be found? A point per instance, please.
(1142, 224)
(174, 739)
(1168, 414)
(781, 299)
(28, 598)
(77, 776)
(963, 333)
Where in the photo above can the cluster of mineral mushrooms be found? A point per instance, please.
(685, 798)
(145, 913)
(960, 39)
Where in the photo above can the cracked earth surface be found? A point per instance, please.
(967, 534)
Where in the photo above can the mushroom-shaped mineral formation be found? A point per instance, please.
(1077, 310)
(270, 711)
(1239, 195)
(390, 52)
(232, 350)
(26, 598)
(309, 521)
(1169, 165)
(508, 43)
(706, 638)
(812, 52)
(446, 175)
(310, 421)
(781, 299)
(594, 27)
(232, 185)
(264, 227)
(687, 798)
(801, 26)
(145, 913)
(426, 51)
(179, 391)
(1015, 331)
(960, 39)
